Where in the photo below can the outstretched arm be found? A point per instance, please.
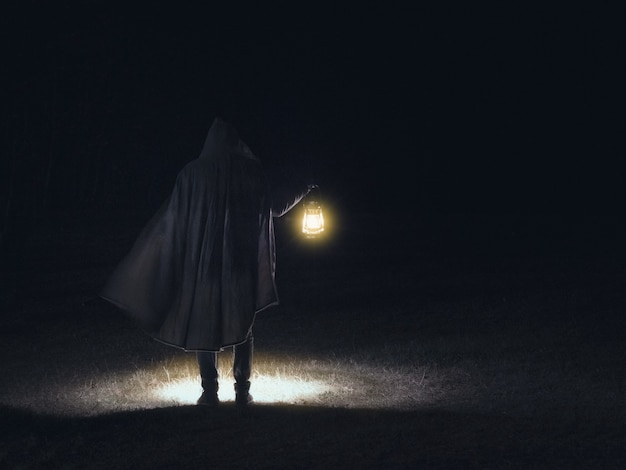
(286, 198)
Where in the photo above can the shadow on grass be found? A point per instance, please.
(309, 437)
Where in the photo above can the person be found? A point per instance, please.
(204, 265)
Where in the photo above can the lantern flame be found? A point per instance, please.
(313, 219)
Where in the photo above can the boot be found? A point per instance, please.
(207, 362)
(242, 395)
(209, 393)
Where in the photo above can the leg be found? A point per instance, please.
(242, 364)
(242, 369)
(207, 363)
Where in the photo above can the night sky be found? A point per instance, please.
(506, 110)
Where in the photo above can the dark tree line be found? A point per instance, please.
(69, 134)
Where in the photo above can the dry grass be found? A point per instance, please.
(393, 360)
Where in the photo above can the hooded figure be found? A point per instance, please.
(205, 263)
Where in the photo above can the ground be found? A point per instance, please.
(455, 342)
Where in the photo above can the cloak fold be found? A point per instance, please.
(204, 265)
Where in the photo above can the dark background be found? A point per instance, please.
(472, 157)
(422, 111)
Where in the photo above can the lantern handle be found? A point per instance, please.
(312, 193)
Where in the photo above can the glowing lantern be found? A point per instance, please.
(313, 219)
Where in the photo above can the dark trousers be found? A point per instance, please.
(242, 363)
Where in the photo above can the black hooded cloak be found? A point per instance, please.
(205, 263)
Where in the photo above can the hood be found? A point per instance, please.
(223, 141)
